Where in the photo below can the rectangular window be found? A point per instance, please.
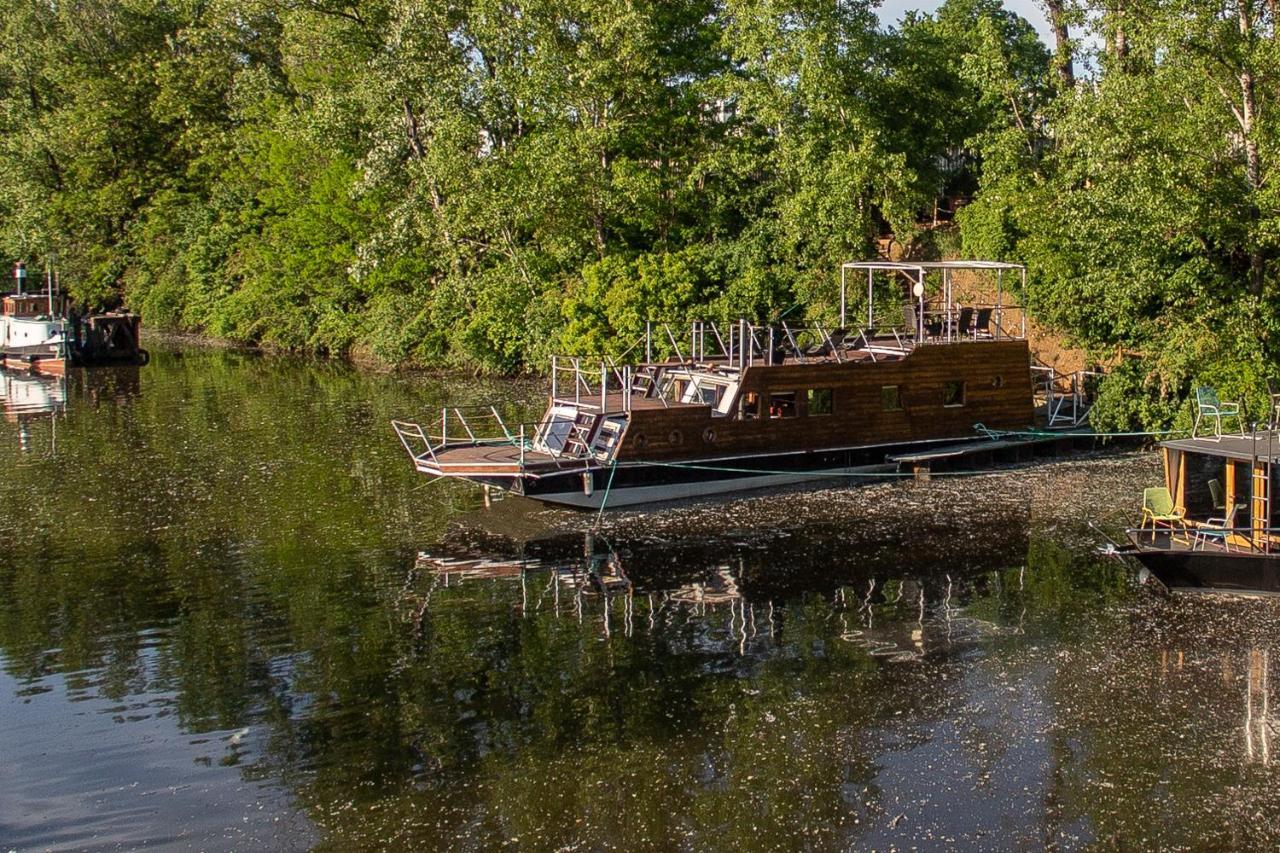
(782, 404)
(750, 406)
(819, 402)
(953, 393)
(891, 398)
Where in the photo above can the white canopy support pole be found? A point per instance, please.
(871, 317)
(843, 275)
(949, 318)
(999, 302)
(920, 309)
(1023, 297)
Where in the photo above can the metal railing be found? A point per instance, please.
(1067, 397)
(1199, 534)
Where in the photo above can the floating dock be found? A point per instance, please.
(989, 452)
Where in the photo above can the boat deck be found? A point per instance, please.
(492, 459)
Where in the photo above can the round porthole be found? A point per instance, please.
(675, 437)
(709, 435)
(998, 382)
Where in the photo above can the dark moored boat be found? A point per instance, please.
(1221, 533)
(749, 406)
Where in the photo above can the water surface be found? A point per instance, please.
(232, 617)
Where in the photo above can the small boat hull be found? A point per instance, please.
(35, 359)
(1209, 569)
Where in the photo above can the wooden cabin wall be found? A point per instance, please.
(998, 394)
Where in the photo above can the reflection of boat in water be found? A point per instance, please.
(25, 397)
(1212, 525)
(745, 581)
(748, 407)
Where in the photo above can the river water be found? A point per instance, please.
(233, 618)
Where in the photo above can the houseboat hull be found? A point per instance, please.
(635, 483)
(1210, 570)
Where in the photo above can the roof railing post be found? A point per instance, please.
(871, 317)
(648, 342)
(553, 378)
(843, 273)
(604, 387)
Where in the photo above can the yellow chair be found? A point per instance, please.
(1158, 508)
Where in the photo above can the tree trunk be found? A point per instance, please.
(1252, 162)
(1062, 56)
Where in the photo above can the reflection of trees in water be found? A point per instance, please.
(239, 568)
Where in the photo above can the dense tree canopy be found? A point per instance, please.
(478, 182)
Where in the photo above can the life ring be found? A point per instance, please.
(709, 435)
(675, 437)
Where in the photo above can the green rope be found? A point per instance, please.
(1048, 433)
(613, 469)
(823, 475)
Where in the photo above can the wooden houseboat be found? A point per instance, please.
(1212, 525)
(746, 407)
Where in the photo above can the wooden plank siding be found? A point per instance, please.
(997, 394)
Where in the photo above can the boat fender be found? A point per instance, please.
(588, 484)
(143, 357)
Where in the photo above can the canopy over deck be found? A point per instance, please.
(915, 273)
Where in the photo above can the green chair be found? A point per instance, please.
(1158, 508)
(1209, 406)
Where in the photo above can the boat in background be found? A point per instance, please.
(38, 333)
(752, 406)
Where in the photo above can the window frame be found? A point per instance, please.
(795, 405)
(809, 399)
(897, 398)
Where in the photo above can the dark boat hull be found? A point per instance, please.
(1211, 569)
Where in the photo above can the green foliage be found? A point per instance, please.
(477, 183)
(1144, 211)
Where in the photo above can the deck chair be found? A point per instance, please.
(982, 323)
(1209, 406)
(1215, 530)
(963, 322)
(1158, 508)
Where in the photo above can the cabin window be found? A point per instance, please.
(891, 398)
(819, 402)
(750, 406)
(953, 393)
(782, 404)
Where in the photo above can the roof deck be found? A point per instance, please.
(1263, 445)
